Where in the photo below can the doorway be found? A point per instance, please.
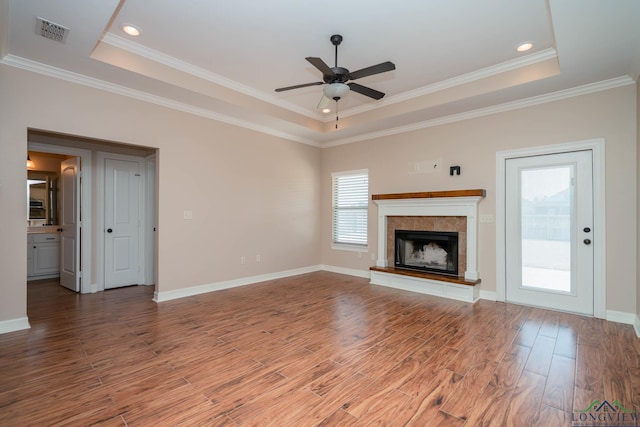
(75, 255)
(549, 231)
(550, 235)
(91, 255)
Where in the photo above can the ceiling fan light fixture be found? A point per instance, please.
(326, 110)
(335, 90)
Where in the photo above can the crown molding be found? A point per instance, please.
(169, 61)
(514, 64)
(58, 73)
(185, 67)
(69, 76)
(500, 108)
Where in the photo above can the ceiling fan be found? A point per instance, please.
(336, 78)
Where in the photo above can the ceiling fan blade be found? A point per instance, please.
(366, 91)
(320, 65)
(325, 101)
(281, 89)
(374, 69)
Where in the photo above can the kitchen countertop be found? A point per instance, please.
(43, 229)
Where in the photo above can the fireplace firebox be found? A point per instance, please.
(433, 251)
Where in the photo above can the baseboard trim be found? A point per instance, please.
(636, 326)
(622, 317)
(348, 271)
(13, 325)
(218, 286)
(488, 295)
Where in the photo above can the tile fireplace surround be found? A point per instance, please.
(430, 208)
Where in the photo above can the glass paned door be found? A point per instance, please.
(549, 215)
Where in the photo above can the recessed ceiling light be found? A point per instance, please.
(523, 47)
(326, 110)
(131, 30)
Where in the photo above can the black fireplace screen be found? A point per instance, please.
(435, 251)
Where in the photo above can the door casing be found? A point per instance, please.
(597, 147)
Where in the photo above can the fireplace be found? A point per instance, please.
(432, 251)
(450, 212)
(441, 206)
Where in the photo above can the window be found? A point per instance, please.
(350, 208)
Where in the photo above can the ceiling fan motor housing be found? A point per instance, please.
(340, 75)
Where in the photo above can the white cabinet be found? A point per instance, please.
(43, 255)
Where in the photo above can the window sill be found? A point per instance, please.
(347, 247)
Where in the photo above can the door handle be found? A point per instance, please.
(109, 230)
(587, 241)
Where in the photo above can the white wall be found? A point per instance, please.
(473, 144)
(250, 193)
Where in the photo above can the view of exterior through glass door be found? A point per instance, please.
(549, 221)
(546, 227)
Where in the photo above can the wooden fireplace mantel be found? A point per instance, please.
(431, 194)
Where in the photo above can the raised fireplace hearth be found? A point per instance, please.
(436, 252)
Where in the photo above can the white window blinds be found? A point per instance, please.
(350, 207)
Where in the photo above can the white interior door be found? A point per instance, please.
(122, 223)
(70, 223)
(549, 231)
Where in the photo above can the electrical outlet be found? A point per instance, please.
(486, 218)
(188, 214)
(243, 260)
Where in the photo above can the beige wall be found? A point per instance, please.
(250, 193)
(473, 144)
(275, 194)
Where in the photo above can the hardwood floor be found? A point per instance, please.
(317, 349)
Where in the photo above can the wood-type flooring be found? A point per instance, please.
(320, 349)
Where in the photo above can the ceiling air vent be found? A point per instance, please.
(51, 30)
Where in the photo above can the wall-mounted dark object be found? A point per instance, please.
(454, 169)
